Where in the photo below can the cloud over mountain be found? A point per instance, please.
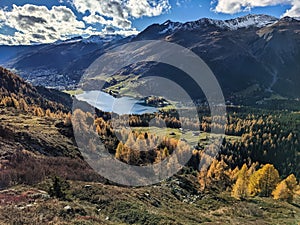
(118, 13)
(30, 23)
(235, 6)
(295, 10)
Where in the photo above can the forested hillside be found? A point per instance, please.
(253, 179)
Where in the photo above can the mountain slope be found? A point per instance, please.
(35, 143)
(60, 64)
(255, 52)
(13, 86)
(256, 21)
(278, 48)
(252, 50)
(170, 202)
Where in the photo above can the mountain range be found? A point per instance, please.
(44, 178)
(254, 55)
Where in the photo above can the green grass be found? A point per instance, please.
(275, 97)
(126, 86)
(249, 90)
(203, 138)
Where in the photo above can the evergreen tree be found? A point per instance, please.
(59, 188)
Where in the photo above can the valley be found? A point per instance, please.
(38, 147)
(62, 135)
(241, 52)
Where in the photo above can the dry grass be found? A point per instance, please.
(164, 203)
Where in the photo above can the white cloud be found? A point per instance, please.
(91, 19)
(38, 24)
(103, 7)
(235, 6)
(183, 3)
(116, 15)
(116, 22)
(295, 10)
(120, 11)
(139, 8)
(112, 31)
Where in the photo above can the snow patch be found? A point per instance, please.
(258, 21)
(171, 27)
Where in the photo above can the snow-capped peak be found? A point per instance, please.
(170, 26)
(100, 39)
(94, 39)
(69, 41)
(233, 24)
(250, 21)
(289, 19)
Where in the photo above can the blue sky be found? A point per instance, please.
(196, 9)
(43, 21)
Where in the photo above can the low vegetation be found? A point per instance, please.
(253, 178)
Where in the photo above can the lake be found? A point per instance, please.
(121, 106)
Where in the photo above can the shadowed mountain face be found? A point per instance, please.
(58, 65)
(258, 53)
(241, 56)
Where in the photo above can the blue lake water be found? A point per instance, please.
(121, 106)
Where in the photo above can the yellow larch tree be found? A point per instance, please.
(240, 188)
(285, 190)
(263, 181)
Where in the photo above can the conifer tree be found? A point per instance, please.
(165, 153)
(216, 175)
(240, 188)
(23, 105)
(68, 120)
(130, 141)
(119, 151)
(282, 192)
(291, 182)
(263, 181)
(133, 156)
(38, 112)
(285, 190)
(48, 113)
(15, 103)
(59, 188)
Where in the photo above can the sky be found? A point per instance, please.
(25, 22)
